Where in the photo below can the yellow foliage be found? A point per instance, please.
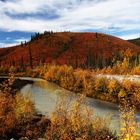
(113, 86)
(122, 94)
(100, 84)
(13, 107)
(23, 106)
(108, 70)
(7, 118)
(127, 53)
(51, 74)
(136, 70)
(75, 122)
(66, 77)
(127, 84)
(128, 130)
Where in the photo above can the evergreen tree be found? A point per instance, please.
(30, 57)
(13, 62)
(21, 62)
(90, 60)
(21, 44)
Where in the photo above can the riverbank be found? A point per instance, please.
(32, 127)
(26, 123)
(18, 82)
(104, 87)
(108, 88)
(47, 94)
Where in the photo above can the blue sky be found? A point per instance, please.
(21, 18)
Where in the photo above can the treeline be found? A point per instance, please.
(124, 62)
(38, 35)
(94, 56)
(91, 59)
(89, 84)
(98, 61)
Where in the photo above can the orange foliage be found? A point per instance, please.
(14, 108)
(65, 48)
(7, 117)
(136, 70)
(86, 82)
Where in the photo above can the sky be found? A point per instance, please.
(19, 19)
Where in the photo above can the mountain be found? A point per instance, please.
(73, 48)
(135, 41)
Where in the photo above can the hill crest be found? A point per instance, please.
(72, 48)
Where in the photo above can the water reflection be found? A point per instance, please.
(47, 95)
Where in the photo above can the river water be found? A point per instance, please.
(47, 95)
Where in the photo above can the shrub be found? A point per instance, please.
(136, 70)
(14, 107)
(75, 122)
(128, 128)
(7, 116)
(114, 88)
(51, 74)
(79, 76)
(67, 79)
(23, 106)
(101, 85)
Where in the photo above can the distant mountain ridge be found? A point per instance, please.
(72, 48)
(135, 41)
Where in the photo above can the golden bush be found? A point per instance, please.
(113, 87)
(136, 70)
(7, 117)
(75, 121)
(128, 129)
(100, 85)
(14, 107)
(67, 79)
(23, 106)
(51, 75)
(128, 85)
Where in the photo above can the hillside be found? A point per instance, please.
(135, 41)
(76, 49)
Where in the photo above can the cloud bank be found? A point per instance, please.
(117, 17)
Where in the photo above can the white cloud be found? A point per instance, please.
(3, 45)
(131, 36)
(74, 15)
(19, 40)
(23, 6)
(15, 42)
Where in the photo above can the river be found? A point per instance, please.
(46, 96)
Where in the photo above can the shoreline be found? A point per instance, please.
(22, 81)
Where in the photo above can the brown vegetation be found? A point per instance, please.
(75, 49)
(18, 119)
(86, 82)
(17, 115)
(76, 122)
